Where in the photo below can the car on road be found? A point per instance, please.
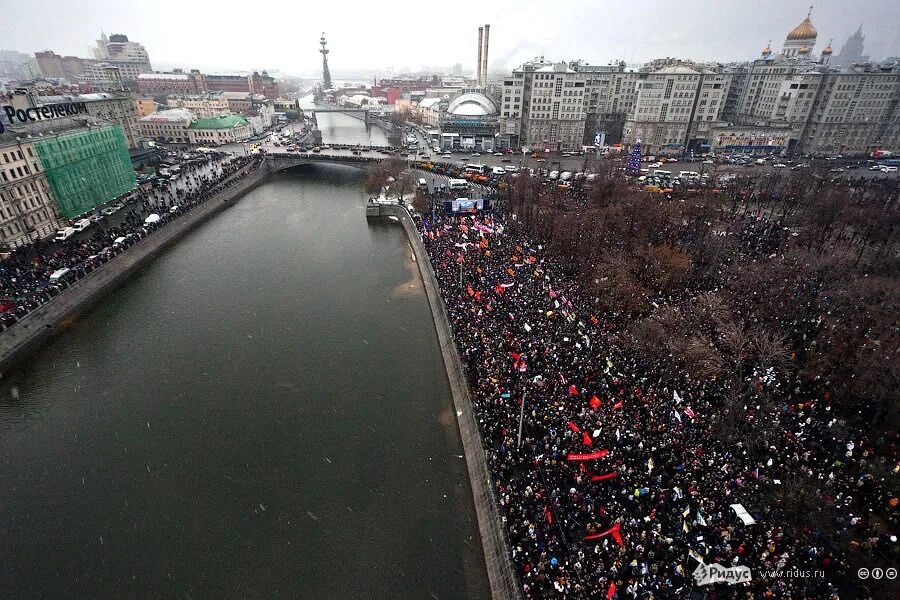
(708, 162)
(64, 234)
(837, 170)
(498, 154)
(566, 154)
(82, 224)
(97, 217)
(476, 154)
(876, 167)
(889, 169)
(505, 160)
(779, 166)
(119, 241)
(446, 156)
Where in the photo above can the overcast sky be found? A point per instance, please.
(219, 36)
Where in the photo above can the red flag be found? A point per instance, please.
(460, 259)
(613, 531)
(688, 411)
(611, 591)
(595, 402)
(573, 390)
(605, 476)
(618, 405)
(574, 427)
(499, 289)
(515, 356)
(588, 456)
(587, 439)
(548, 515)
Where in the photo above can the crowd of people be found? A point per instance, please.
(610, 480)
(25, 274)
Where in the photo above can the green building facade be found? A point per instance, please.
(86, 168)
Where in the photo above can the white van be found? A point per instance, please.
(554, 175)
(64, 234)
(499, 171)
(81, 224)
(423, 185)
(458, 184)
(565, 176)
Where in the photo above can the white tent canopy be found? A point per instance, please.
(154, 218)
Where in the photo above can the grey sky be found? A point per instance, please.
(284, 35)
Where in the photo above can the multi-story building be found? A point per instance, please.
(237, 102)
(543, 106)
(430, 110)
(131, 57)
(227, 83)
(855, 112)
(203, 106)
(167, 125)
(144, 107)
(50, 64)
(263, 84)
(470, 123)
(16, 65)
(55, 168)
(160, 85)
(610, 92)
(676, 107)
(27, 209)
(224, 129)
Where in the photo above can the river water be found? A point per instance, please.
(261, 413)
(338, 128)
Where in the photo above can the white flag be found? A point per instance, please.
(676, 397)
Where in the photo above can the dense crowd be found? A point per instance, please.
(618, 487)
(25, 274)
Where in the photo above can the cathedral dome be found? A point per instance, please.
(803, 31)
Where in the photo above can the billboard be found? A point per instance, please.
(461, 205)
(86, 168)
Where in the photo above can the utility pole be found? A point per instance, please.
(521, 417)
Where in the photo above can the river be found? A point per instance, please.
(338, 128)
(261, 413)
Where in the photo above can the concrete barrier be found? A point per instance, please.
(35, 328)
(501, 577)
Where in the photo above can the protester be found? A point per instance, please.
(618, 487)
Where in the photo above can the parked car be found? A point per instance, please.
(779, 166)
(82, 224)
(889, 169)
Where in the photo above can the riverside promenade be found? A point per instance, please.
(41, 324)
(501, 578)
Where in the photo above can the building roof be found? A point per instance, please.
(173, 115)
(559, 67)
(429, 102)
(172, 76)
(220, 122)
(235, 95)
(472, 104)
(677, 70)
(803, 31)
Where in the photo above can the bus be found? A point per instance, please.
(475, 168)
(458, 184)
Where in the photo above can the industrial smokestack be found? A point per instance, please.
(478, 64)
(484, 58)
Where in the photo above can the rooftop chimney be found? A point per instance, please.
(478, 64)
(487, 35)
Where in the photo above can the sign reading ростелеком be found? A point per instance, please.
(41, 113)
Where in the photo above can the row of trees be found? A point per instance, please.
(791, 271)
(783, 282)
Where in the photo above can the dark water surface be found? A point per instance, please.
(261, 413)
